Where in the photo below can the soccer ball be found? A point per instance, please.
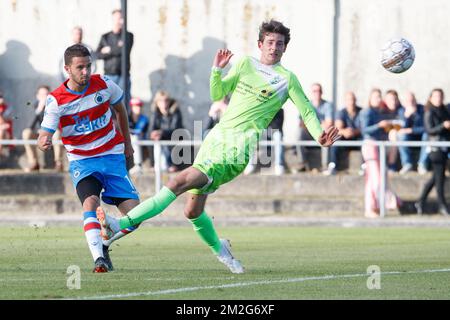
(397, 55)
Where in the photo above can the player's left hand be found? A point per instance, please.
(128, 150)
(329, 136)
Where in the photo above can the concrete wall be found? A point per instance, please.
(366, 25)
(175, 41)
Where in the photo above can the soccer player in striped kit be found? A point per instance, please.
(81, 108)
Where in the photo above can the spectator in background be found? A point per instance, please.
(391, 112)
(274, 132)
(324, 110)
(412, 118)
(375, 126)
(349, 126)
(110, 50)
(77, 38)
(32, 132)
(165, 119)
(138, 131)
(6, 124)
(214, 114)
(437, 125)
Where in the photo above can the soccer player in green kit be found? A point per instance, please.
(258, 88)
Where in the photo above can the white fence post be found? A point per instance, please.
(157, 156)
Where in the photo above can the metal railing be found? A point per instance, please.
(382, 145)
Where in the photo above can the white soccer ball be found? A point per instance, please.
(397, 55)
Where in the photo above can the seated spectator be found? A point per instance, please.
(165, 119)
(324, 110)
(392, 111)
(375, 126)
(412, 117)
(6, 124)
(32, 132)
(138, 131)
(214, 114)
(348, 123)
(274, 132)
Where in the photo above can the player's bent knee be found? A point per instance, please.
(175, 185)
(191, 213)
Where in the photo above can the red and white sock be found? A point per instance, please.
(120, 234)
(92, 232)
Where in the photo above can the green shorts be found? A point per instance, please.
(222, 157)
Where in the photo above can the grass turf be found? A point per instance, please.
(281, 263)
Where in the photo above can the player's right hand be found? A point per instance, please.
(222, 58)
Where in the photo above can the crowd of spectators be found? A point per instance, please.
(383, 117)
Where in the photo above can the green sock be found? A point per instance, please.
(204, 227)
(148, 209)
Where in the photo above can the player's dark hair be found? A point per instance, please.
(274, 26)
(77, 50)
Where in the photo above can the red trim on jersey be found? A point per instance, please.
(62, 96)
(92, 113)
(88, 138)
(91, 225)
(103, 148)
(96, 84)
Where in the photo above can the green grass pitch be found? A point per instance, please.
(281, 263)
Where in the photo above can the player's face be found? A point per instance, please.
(272, 48)
(79, 70)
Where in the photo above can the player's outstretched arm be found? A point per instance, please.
(329, 136)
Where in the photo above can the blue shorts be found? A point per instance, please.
(111, 171)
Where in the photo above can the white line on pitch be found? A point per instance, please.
(252, 283)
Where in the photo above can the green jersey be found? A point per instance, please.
(258, 92)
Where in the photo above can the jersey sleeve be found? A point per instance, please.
(115, 91)
(220, 87)
(307, 112)
(52, 114)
